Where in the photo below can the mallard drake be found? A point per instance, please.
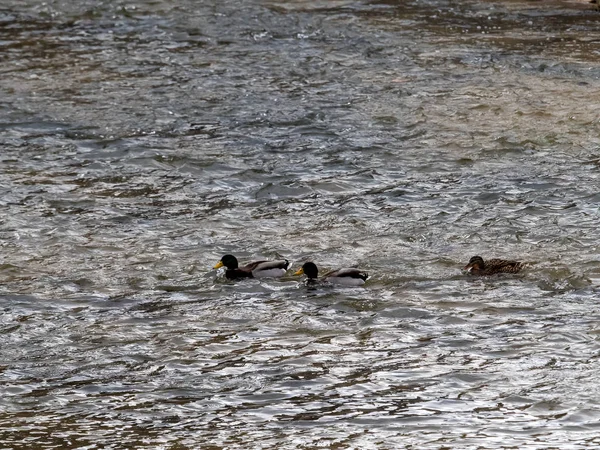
(256, 269)
(348, 277)
(477, 266)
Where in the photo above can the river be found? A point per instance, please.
(143, 140)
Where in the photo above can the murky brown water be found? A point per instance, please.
(141, 141)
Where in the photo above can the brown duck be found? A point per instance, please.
(477, 266)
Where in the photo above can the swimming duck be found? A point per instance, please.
(348, 277)
(256, 269)
(477, 266)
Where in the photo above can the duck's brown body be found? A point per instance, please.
(477, 266)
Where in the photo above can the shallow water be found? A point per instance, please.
(142, 141)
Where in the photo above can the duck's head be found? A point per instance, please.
(309, 269)
(228, 261)
(475, 263)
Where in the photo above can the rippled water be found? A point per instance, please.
(141, 141)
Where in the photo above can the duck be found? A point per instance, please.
(347, 277)
(255, 269)
(477, 266)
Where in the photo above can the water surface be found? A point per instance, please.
(141, 141)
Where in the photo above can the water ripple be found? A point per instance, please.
(141, 142)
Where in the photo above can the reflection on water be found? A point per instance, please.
(142, 141)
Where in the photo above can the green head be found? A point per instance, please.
(228, 261)
(309, 269)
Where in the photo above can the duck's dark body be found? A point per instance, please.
(255, 269)
(348, 277)
(477, 266)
